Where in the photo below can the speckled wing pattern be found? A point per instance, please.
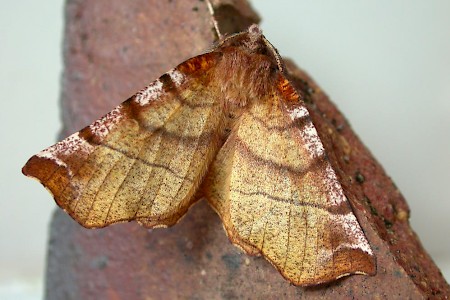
(144, 160)
(278, 195)
(229, 126)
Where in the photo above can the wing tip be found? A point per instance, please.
(44, 170)
(367, 268)
(40, 169)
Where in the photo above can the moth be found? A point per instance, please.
(227, 126)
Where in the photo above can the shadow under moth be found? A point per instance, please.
(227, 126)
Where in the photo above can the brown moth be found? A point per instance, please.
(228, 126)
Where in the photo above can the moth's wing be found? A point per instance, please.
(278, 195)
(145, 159)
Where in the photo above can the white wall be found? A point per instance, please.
(385, 63)
(30, 66)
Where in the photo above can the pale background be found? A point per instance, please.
(385, 63)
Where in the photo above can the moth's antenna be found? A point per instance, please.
(216, 24)
(275, 54)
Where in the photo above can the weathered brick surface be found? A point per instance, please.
(113, 48)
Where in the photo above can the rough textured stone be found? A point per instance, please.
(112, 49)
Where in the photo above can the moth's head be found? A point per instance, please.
(253, 43)
(249, 66)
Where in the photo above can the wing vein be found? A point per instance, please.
(51, 175)
(271, 202)
(150, 164)
(304, 215)
(190, 164)
(315, 164)
(141, 199)
(80, 196)
(98, 190)
(125, 177)
(289, 231)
